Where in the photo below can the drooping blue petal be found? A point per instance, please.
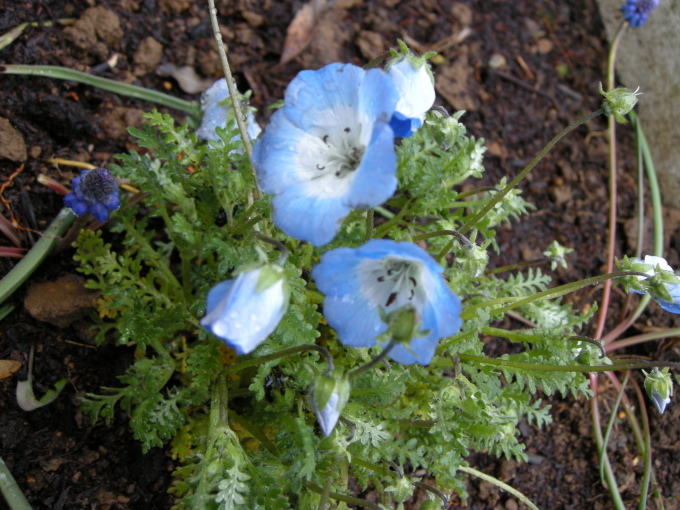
(79, 207)
(242, 316)
(671, 306)
(217, 294)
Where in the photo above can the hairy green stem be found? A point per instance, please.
(369, 225)
(368, 366)
(277, 355)
(519, 265)
(439, 233)
(123, 89)
(281, 247)
(341, 497)
(610, 426)
(233, 93)
(476, 191)
(597, 432)
(555, 292)
(498, 483)
(647, 450)
(501, 194)
(611, 235)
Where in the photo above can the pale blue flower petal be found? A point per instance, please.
(386, 275)
(309, 218)
(240, 315)
(328, 150)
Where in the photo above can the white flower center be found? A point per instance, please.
(392, 282)
(328, 156)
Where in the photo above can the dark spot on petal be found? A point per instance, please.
(413, 293)
(413, 281)
(325, 139)
(319, 167)
(392, 297)
(381, 278)
(347, 130)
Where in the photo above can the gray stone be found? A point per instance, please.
(648, 57)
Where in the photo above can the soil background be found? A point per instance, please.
(522, 71)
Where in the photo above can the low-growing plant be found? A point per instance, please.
(315, 313)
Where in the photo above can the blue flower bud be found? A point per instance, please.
(329, 396)
(245, 311)
(94, 191)
(659, 387)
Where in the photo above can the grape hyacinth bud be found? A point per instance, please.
(636, 12)
(94, 191)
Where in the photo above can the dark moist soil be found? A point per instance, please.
(522, 70)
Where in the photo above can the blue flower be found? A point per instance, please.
(329, 150)
(94, 191)
(386, 275)
(245, 311)
(673, 289)
(415, 84)
(216, 114)
(636, 12)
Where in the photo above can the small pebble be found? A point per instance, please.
(497, 61)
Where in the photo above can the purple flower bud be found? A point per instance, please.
(94, 191)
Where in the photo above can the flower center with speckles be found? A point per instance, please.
(392, 282)
(343, 154)
(98, 185)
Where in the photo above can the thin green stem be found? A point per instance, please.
(623, 364)
(498, 483)
(647, 450)
(384, 212)
(519, 265)
(277, 355)
(35, 256)
(10, 490)
(611, 235)
(233, 93)
(610, 426)
(369, 225)
(281, 247)
(638, 339)
(123, 89)
(546, 294)
(477, 191)
(439, 233)
(368, 366)
(597, 432)
(341, 497)
(501, 194)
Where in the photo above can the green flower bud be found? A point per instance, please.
(659, 387)
(401, 490)
(557, 252)
(328, 397)
(619, 102)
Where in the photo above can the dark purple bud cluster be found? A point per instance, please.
(94, 191)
